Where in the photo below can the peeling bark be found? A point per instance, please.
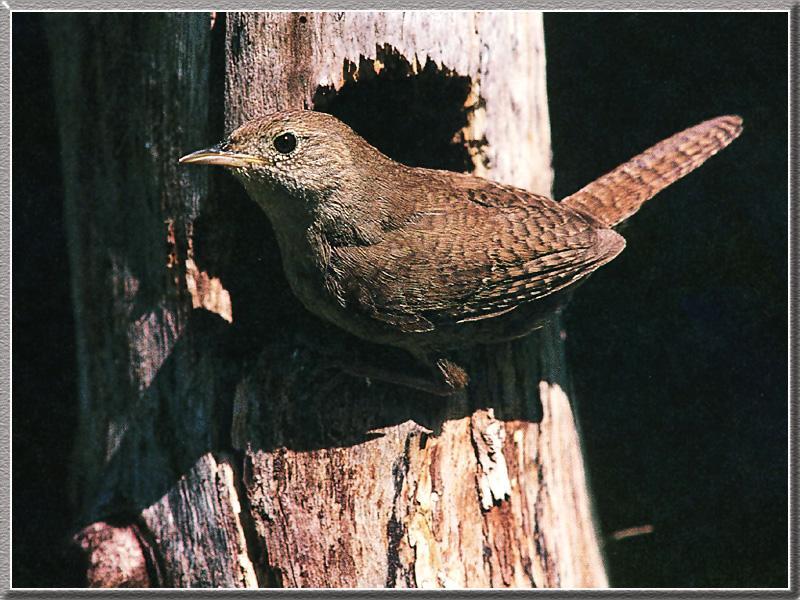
(353, 483)
(209, 417)
(133, 92)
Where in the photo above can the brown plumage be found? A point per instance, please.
(431, 260)
(618, 194)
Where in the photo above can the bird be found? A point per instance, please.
(433, 261)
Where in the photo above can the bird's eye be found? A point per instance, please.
(285, 143)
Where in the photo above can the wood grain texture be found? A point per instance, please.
(132, 93)
(197, 529)
(356, 483)
(211, 418)
(502, 52)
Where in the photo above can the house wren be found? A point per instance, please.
(426, 260)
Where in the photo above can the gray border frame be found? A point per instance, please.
(10, 6)
(325, 5)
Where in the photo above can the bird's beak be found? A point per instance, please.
(217, 156)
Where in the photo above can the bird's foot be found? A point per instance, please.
(439, 376)
(444, 378)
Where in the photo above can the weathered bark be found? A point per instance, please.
(133, 94)
(209, 416)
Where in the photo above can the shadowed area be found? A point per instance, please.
(678, 348)
(680, 368)
(413, 113)
(416, 114)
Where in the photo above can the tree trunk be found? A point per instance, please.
(213, 434)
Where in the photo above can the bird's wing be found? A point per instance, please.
(473, 251)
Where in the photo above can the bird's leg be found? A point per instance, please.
(444, 377)
(451, 374)
(434, 375)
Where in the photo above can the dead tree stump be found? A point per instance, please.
(212, 432)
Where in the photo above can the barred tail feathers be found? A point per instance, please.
(620, 193)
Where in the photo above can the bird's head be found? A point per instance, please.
(305, 154)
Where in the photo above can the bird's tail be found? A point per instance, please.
(618, 194)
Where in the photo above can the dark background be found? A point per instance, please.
(678, 347)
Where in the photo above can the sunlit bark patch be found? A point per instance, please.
(207, 292)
